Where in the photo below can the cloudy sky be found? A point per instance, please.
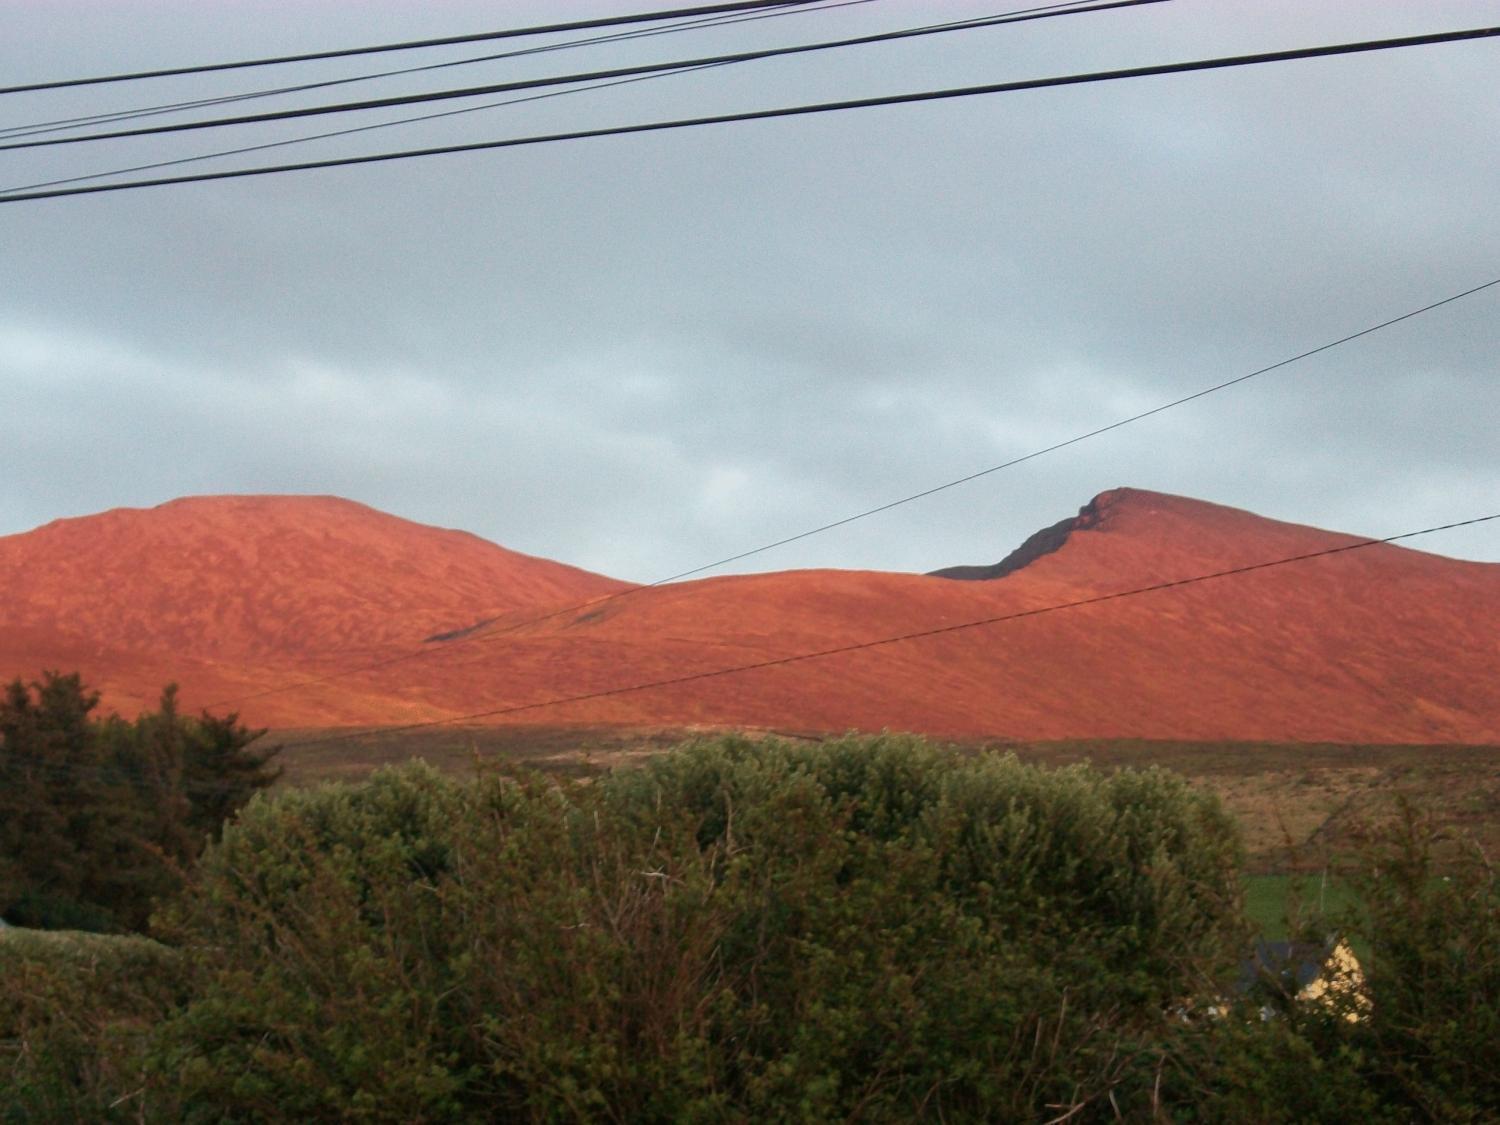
(639, 354)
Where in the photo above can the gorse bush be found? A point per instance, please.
(77, 1012)
(1431, 910)
(1412, 1035)
(871, 928)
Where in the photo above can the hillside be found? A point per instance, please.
(1384, 644)
(227, 593)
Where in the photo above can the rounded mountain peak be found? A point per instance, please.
(221, 577)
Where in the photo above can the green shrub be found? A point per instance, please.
(76, 1014)
(868, 929)
(1414, 1034)
(1431, 916)
(320, 957)
(100, 817)
(989, 929)
(873, 928)
(1240, 1067)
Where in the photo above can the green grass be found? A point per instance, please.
(1270, 899)
(1276, 904)
(73, 945)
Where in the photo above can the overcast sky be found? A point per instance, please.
(639, 354)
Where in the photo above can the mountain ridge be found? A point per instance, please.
(1038, 543)
(1380, 644)
(231, 577)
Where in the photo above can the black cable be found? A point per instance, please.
(453, 113)
(448, 113)
(397, 100)
(720, 22)
(792, 111)
(840, 650)
(364, 128)
(712, 22)
(1085, 436)
(410, 45)
(593, 603)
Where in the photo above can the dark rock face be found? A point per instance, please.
(1040, 543)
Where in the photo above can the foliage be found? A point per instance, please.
(1413, 1035)
(78, 1011)
(873, 928)
(99, 817)
(1432, 913)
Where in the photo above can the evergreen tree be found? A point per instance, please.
(220, 770)
(98, 818)
(49, 793)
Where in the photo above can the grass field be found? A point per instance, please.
(1279, 904)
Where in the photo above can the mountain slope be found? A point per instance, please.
(244, 579)
(1380, 644)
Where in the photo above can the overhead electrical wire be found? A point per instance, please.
(476, 635)
(353, 130)
(1220, 63)
(398, 100)
(408, 45)
(919, 634)
(178, 161)
(700, 24)
(1010, 17)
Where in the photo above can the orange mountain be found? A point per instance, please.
(235, 596)
(233, 593)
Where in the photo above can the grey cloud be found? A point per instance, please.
(641, 354)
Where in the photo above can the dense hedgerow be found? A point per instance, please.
(76, 1014)
(871, 929)
(1416, 1039)
(1431, 909)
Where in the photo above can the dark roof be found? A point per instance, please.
(1290, 965)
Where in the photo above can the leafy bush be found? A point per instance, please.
(1413, 1035)
(1431, 910)
(77, 1013)
(873, 928)
(869, 929)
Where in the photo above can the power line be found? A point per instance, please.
(1089, 434)
(719, 22)
(494, 634)
(364, 128)
(409, 45)
(703, 23)
(177, 162)
(1016, 16)
(398, 100)
(840, 650)
(790, 111)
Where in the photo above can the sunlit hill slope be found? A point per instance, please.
(237, 596)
